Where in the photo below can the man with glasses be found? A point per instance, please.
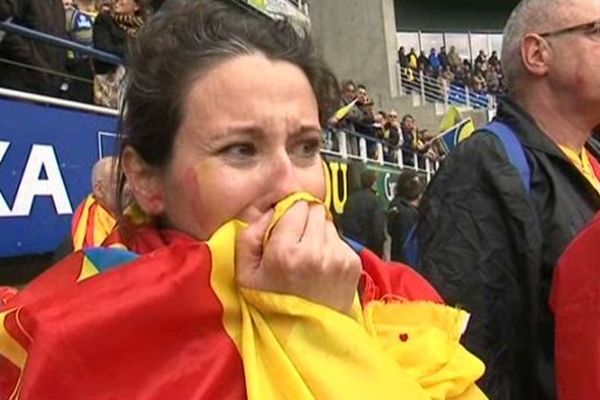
(497, 216)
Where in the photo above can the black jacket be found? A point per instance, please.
(401, 219)
(109, 37)
(47, 16)
(491, 248)
(363, 220)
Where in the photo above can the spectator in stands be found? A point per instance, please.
(422, 61)
(454, 59)
(402, 214)
(38, 63)
(443, 57)
(68, 4)
(104, 5)
(112, 32)
(347, 122)
(95, 218)
(434, 62)
(467, 66)
(402, 58)
(478, 84)
(494, 60)
(491, 79)
(460, 76)
(481, 58)
(447, 75)
(223, 121)
(365, 117)
(413, 61)
(424, 145)
(409, 131)
(392, 136)
(363, 219)
(80, 25)
(494, 227)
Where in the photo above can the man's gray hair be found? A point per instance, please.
(102, 169)
(530, 16)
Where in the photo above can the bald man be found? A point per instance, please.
(491, 232)
(94, 219)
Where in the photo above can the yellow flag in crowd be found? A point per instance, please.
(342, 112)
(451, 119)
(451, 137)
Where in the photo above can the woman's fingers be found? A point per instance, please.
(249, 249)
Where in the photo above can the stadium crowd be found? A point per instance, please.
(106, 25)
(357, 118)
(483, 75)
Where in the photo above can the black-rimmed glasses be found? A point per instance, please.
(589, 28)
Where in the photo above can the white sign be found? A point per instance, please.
(41, 157)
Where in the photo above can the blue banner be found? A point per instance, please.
(46, 158)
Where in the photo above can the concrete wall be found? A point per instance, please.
(357, 39)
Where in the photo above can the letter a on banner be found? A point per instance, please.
(41, 157)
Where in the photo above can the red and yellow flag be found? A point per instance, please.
(91, 224)
(170, 322)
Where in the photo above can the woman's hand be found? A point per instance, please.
(304, 257)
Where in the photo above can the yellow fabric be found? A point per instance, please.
(81, 229)
(286, 204)
(295, 349)
(87, 270)
(451, 118)
(583, 165)
(467, 130)
(9, 347)
(412, 61)
(102, 224)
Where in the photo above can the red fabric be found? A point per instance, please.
(595, 165)
(149, 330)
(575, 301)
(393, 281)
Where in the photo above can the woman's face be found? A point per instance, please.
(127, 7)
(250, 136)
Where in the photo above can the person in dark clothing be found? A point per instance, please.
(423, 61)
(80, 25)
(490, 243)
(443, 58)
(46, 16)
(402, 58)
(363, 219)
(112, 32)
(402, 215)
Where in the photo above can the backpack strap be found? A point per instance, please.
(514, 150)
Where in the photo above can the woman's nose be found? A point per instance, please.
(282, 177)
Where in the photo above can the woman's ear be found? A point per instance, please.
(145, 182)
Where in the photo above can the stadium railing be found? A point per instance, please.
(432, 90)
(368, 149)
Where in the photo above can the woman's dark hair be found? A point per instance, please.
(174, 48)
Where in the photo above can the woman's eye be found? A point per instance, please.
(239, 151)
(307, 148)
(595, 31)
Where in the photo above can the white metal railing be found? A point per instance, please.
(431, 90)
(354, 146)
(15, 94)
